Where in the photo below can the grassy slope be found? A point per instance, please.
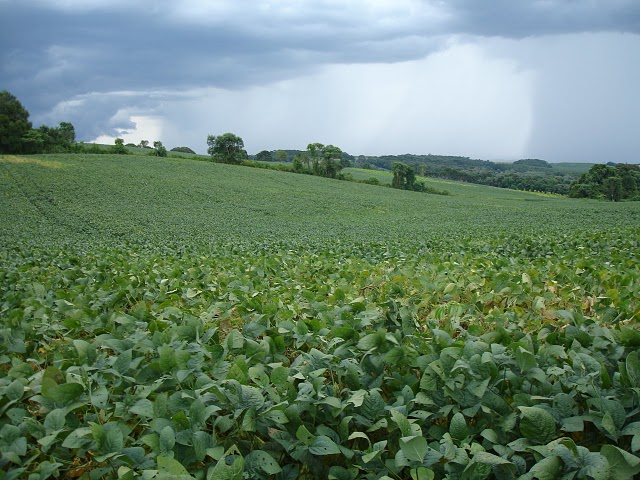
(145, 198)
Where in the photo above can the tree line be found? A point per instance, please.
(17, 134)
(318, 159)
(526, 174)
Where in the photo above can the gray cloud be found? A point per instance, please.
(517, 19)
(93, 62)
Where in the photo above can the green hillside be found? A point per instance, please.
(171, 318)
(146, 198)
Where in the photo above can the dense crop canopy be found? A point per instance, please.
(323, 351)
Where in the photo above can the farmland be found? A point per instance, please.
(169, 318)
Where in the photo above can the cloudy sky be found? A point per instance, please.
(491, 79)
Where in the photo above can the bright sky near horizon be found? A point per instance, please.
(496, 79)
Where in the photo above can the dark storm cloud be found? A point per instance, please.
(516, 19)
(53, 52)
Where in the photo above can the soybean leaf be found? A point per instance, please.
(323, 445)
(261, 460)
(548, 468)
(622, 465)
(55, 420)
(229, 467)
(14, 391)
(167, 440)
(422, 473)
(537, 424)
(170, 469)
(633, 368)
(414, 447)
(143, 408)
(403, 423)
(458, 427)
(62, 394)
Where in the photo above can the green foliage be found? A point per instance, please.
(159, 149)
(298, 163)
(183, 150)
(404, 176)
(281, 156)
(226, 148)
(322, 160)
(203, 337)
(532, 162)
(17, 136)
(264, 156)
(118, 147)
(614, 183)
(14, 123)
(50, 140)
(526, 174)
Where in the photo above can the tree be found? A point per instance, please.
(264, 156)
(282, 156)
(314, 153)
(160, 150)
(144, 144)
(298, 163)
(326, 160)
(226, 148)
(404, 176)
(33, 141)
(615, 183)
(119, 147)
(14, 123)
(331, 161)
(613, 188)
(67, 133)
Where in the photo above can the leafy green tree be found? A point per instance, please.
(331, 161)
(264, 156)
(615, 183)
(49, 139)
(67, 133)
(159, 149)
(298, 165)
(226, 148)
(33, 141)
(144, 144)
(14, 123)
(326, 160)
(119, 147)
(613, 188)
(314, 154)
(404, 177)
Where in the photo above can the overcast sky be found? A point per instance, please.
(490, 79)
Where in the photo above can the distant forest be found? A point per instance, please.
(526, 174)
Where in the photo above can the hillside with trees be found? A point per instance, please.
(609, 182)
(526, 174)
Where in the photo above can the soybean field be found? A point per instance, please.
(178, 319)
